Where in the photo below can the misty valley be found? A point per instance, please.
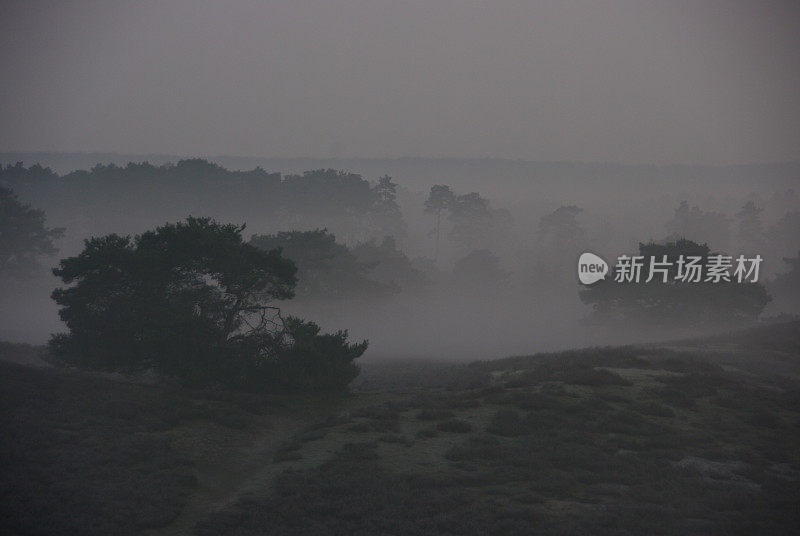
(193, 349)
(416, 268)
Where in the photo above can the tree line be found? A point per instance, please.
(344, 202)
(196, 300)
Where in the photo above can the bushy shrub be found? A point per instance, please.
(191, 300)
(312, 361)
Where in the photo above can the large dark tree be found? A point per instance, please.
(24, 238)
(189, 299)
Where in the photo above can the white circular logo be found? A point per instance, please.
(591, 268)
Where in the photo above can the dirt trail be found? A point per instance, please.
(231, 464)
(246, 466)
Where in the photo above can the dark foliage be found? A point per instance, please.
(390, 266)
(346, 202)
(474, 224)
(190, 300)
(313, 361)
(325, 268)
(23, 237)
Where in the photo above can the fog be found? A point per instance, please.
(622, 110)
(504, 281)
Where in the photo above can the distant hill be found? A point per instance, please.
(463, 173)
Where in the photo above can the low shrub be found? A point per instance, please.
(455, 426)
(507, 422)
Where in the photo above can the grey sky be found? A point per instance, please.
(642, 82)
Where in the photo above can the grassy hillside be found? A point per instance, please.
(695, 437)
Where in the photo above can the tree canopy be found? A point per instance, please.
(385, 213)
(192, 300)
(473, 223)
(355, 208)
(24, 238)
(390, 266)
(326, 268)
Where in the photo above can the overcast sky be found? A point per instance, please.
(634, 82)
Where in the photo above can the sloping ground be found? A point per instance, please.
(84, 454)
(635, 440)
(697, 437)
